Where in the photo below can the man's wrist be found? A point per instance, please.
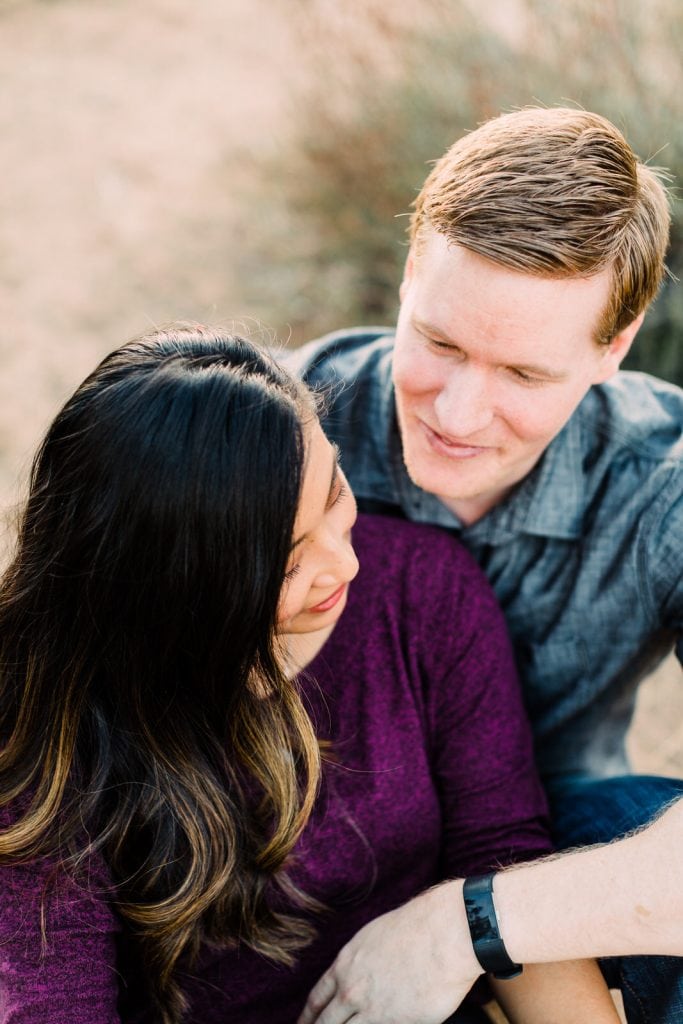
(510, 920)
(453, 926)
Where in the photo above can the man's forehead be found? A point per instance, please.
(454, 285)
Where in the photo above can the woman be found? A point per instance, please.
(170, 672)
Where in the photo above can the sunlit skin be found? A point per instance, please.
(322, 561)
(489, 364)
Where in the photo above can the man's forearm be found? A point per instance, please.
(417, 962)
(621, 899)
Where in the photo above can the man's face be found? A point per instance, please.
(489, 365)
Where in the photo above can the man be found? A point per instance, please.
(495, 411)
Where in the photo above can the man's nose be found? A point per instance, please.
(465, 405)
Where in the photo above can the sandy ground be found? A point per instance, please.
(126, 133)
(124, 128)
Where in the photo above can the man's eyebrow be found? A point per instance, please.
(426, 328)
(334, 476)
(531, 368)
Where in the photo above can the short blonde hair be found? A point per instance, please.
(554, 192)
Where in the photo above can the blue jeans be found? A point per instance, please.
(586, 811)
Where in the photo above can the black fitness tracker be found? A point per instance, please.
(489, 947)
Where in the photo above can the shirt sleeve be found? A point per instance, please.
(494, 808)
(661, 561)
(57, 949)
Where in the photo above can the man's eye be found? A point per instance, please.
(525, 378)
(443, 346)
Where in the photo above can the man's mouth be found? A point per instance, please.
(451, 447)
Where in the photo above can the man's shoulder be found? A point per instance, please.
(635, 415)
(351, 371)
(632, 460)
(346, 355)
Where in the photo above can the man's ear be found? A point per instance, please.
(408, 272)
(617, 350)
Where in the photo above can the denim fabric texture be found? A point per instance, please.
(585, 554)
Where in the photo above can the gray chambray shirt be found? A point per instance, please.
(585, 554)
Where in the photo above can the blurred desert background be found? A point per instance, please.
(248, 161)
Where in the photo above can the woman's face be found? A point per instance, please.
(322, 562)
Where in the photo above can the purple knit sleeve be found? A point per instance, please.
(493, 805)
(64, 973)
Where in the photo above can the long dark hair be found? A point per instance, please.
(144, 715)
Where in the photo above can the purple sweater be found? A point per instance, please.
(432, 777)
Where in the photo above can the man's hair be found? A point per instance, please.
(555, 193)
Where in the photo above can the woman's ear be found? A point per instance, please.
(617, 350)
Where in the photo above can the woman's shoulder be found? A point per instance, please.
(423, 602)
(422, 579)
(406, 550)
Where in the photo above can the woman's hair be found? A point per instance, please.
(143, 713)
(554, 192)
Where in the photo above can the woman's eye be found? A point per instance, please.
(292, 572)
(341, 494)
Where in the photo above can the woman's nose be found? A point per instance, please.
(342, 564)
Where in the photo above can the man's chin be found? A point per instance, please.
(466, 499)
(453, 486)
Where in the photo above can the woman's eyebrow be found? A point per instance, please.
(334, 476)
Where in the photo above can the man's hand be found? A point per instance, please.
(414, 965)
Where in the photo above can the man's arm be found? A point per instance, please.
(617, 900)
(621, 899)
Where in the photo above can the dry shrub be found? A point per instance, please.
(381, 90)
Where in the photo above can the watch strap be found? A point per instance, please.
(488, 945)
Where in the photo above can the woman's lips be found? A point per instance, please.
(452, 449)
(330, 601)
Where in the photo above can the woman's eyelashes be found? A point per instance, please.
(340, 495)
(342, 492)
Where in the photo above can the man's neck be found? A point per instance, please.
(470, 510)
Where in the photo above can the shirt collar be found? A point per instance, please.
(555, 490)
